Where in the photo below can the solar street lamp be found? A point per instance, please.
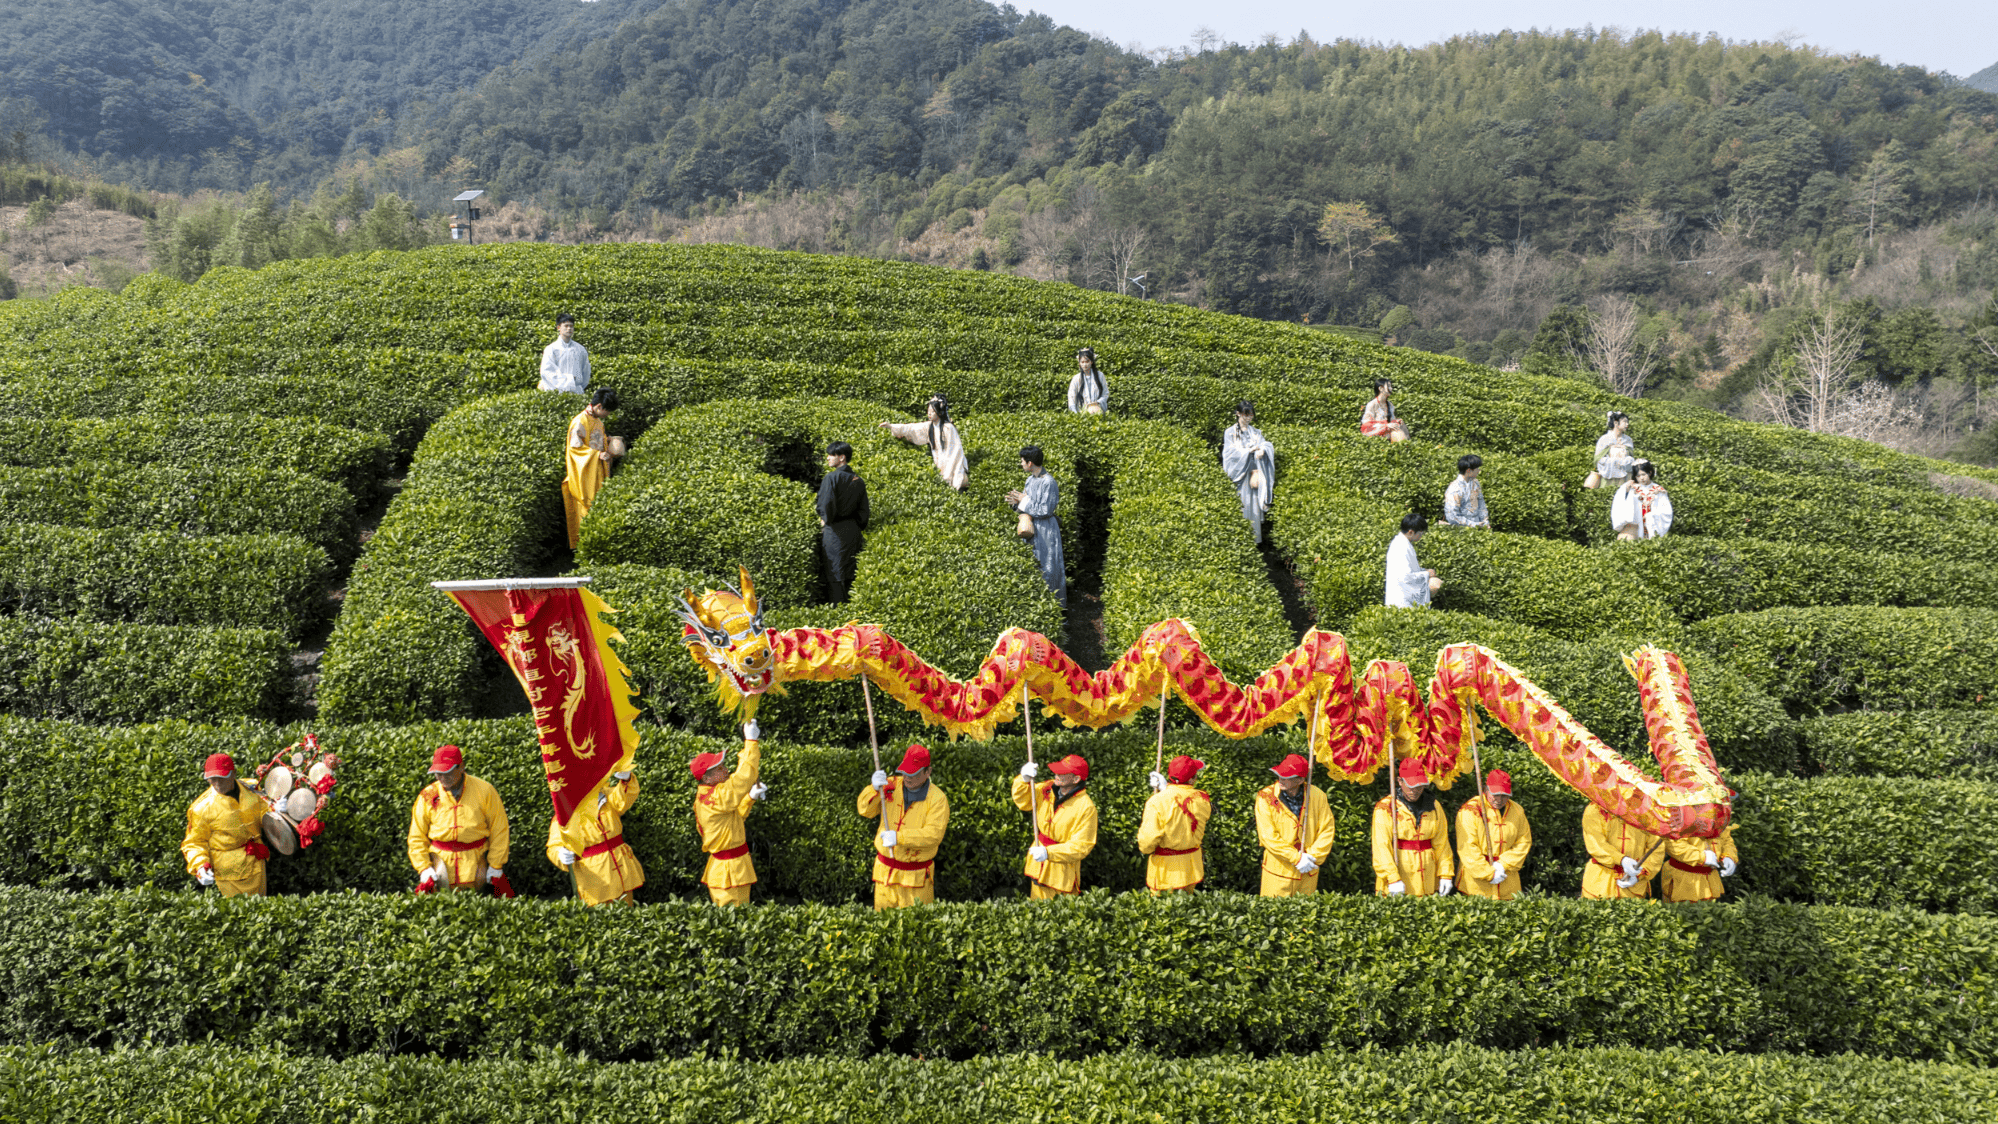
(461, 227)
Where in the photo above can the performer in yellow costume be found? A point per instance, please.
(1174, 826)
(1622, 859)
(914, 815)
(224, 844)
(722, 801)
(1493, 840)
(1290, 860)
(591, 845)
(458, 832)
(1695, 867)
(1064, 825)
(1412, 839)
(589, 456)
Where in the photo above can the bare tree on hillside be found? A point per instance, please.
(1816, 388)
(1612, 348)
(1114, 254)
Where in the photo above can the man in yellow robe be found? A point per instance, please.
(722, 801)
(1412, 839)
(1296, 837)
(589, 456)
(224, 844)
(1064, 825)
(591, 845)
(1173, 828)
(1493, 840)
(914, 815)
(1694, 868)
(1622, 859)
(458, 833)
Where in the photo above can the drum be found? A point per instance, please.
(279, 835)
(319, 772)
(278, 784)
(299, 806)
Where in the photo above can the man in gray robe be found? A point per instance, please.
(1250, 462)
(1038, 500)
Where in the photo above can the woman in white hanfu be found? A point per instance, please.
(1250, 462)
(940, 437)
(1088, 390)
(1614, 452)
(1641, 509)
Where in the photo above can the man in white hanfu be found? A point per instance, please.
(1464, 501)
(565, 364)
(940, 437)
(1408, 584)
(1250, 462)
(1038, 500)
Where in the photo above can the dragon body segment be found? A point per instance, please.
(1356, 719)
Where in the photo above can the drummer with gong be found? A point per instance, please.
(224, 845)
(458, 832)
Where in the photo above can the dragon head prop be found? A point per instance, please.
(724, 632)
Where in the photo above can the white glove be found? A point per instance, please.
(888, 838)
(567, 856)
(1039, 853)
(751, 731)
(624, 776)
(759, 791)
(205, 876)
(1727, 868)
(1305, 865)
(1631, 870)
(1396, 889)
(1498, 874)
(1030, 770)
(880, 779)
(428, 876)
(1445, 886)
(1156, 780)
(1626, 882)
(1708, 858)
(493, 872)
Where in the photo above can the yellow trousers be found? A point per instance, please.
(732, 895)
(1039, 891)
(252, 884)
(902, 897)
(1277, 886)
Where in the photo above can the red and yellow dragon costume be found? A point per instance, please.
(725, 634)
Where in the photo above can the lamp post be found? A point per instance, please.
(461, 227)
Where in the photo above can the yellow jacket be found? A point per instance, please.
(1175, 820)
(919, 830)
(1068, 831)
(719, 810)
(1687, 878)
(476, 817)
(1277, 830)
(585, 470)
(217, 828)
(1424, 861)
(1483, 839)
(1610, 841)
(606, 869)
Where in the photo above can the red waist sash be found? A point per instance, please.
(474, 845)
(898, 864)
(731, 853)
(1689, 868)
(1163, 851)
(1045, 840)
(607, 846)
(1414, 844)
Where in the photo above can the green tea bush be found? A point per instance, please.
(140, 672)
(1175, 975)
(190, 501)
(151, 577)
(1822, 660)
(350, 403)
(1905, 743)
(1413, 475)
(356, 460)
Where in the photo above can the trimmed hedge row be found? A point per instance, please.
(141, 672)
(482, 500)
(1906, 743)
(1819, 660)
(150, 577)
(1177, 975)
(188, 501)
(1369, 1084)
(354, 459)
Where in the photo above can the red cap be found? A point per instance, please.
(1072, 765)
(1182, 768)
(1293, 766)
(702, 762)
(447, 758)
(914, 761)
(218, 765)
(1498, 780)
(1412, 772)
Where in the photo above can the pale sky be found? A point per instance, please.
(1960, 36)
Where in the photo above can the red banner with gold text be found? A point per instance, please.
(560, 653)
